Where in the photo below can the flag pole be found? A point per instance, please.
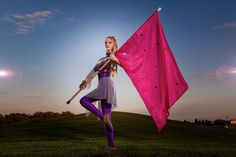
(159, 9)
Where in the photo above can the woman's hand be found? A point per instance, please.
(113, 58)
(83, 84)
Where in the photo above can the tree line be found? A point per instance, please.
(16, 117)
(217, 122)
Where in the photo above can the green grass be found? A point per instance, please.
(135, 135)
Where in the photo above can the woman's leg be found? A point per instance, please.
(106, 109)
(86, 102)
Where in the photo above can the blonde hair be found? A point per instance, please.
(114, 49)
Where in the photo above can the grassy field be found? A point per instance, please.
(135, 135)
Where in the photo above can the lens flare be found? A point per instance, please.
(3, 73)
(8, 74)
(226, 74)
(233, 71)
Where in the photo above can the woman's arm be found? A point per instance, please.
(91, 74)
(88, 79)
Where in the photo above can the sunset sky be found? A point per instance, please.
(48, 47)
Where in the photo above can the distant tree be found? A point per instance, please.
(2, 119)
(16, 117)
(220, 122)
(202, 122)
(186, 121)
(51, 114)
(38, 114)
(208, 122)
(47, 114)
(67, 113)
(196, 121)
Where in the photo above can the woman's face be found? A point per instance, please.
(108, 44)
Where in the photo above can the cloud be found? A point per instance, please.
(3, 93)
(72, 19)
(211, 74)
(224, 73)
(227, 25)
(204, 75)
(27, 22)
(198, 75)
(36, 96)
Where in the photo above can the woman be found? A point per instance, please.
(105, 91)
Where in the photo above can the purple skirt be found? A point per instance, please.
(105, 90)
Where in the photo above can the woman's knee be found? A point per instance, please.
(83, 100)
(106, 108)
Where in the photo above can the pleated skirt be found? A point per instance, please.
(105, 90)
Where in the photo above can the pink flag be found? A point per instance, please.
(149, 63)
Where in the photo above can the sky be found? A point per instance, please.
(48, 47)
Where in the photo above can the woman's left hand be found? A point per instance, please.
(113, 58)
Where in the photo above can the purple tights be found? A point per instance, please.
(86, 102)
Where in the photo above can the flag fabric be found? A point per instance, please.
(150, 64)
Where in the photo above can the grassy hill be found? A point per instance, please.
(135, 135)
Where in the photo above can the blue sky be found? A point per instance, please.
(50, 46)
